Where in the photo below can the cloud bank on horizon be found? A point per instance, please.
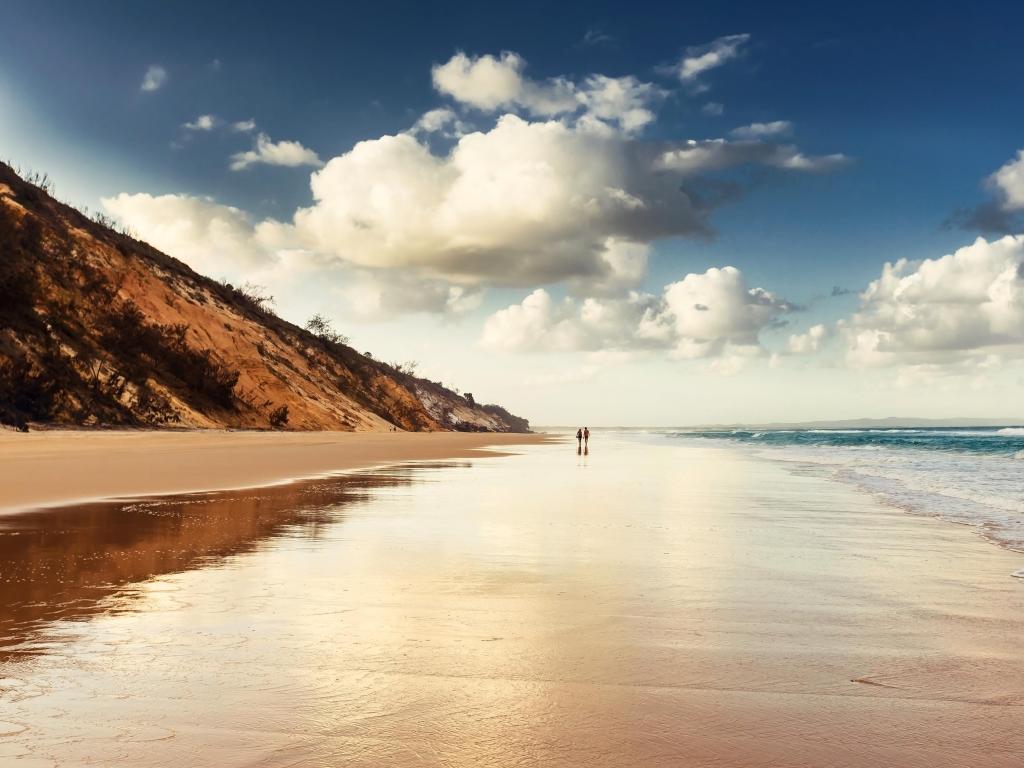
(551, 185)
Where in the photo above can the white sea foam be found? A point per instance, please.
(984, 490)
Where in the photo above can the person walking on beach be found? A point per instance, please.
(579, 440)
(586, 437)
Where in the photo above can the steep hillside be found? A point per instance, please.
(97, 328)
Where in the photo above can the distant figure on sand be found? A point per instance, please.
(579, 440)
(586, 437)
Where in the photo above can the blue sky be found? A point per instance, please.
(922, 101)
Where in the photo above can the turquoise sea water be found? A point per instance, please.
(973, 476)
(999, 441)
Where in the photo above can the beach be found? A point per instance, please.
(57, 467)
(651, 603)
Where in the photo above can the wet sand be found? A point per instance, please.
(644, 605)
(54, 467)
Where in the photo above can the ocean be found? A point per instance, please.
(973, 476)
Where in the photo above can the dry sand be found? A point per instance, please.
(58, 467)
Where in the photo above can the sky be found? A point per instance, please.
(604, 213)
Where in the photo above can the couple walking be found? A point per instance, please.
(582, 439)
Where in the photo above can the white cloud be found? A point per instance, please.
(1009, 182)
(718, 154)
(539, 323)
(202, 123)
(209, 122)
(378, 295)
(435, 120)
(1003, 212)
(486, 82)
(709, 315)
(699, 59)
(441, 121)
(489, 84)
(716, 308)
(595, 36)
(810, 342)
(762, 130)
(789, 158)
(212, 239)
(713, 109)
(733, 361)
(624, 100)
(622, 266)
(154, 78)
(961, 306)
(287, 153)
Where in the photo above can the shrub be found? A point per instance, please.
(279, 417)
(20, 243)
(322, 328)
(29, 392)
(19, 393)
(256, 296)
(409, 367)
(103, 220)
(136, 341)
(251, 295)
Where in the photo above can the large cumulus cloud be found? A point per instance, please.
(966, 305)
(524, 203)
(214, 239)
(558, 185)
(703, 315)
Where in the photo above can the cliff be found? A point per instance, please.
(100, 329)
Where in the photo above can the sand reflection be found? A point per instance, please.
(68, 564)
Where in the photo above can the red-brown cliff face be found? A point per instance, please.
(97, 328)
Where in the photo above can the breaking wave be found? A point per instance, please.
(972, 476)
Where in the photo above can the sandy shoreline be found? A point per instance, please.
(60, 467)
(656, 605)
